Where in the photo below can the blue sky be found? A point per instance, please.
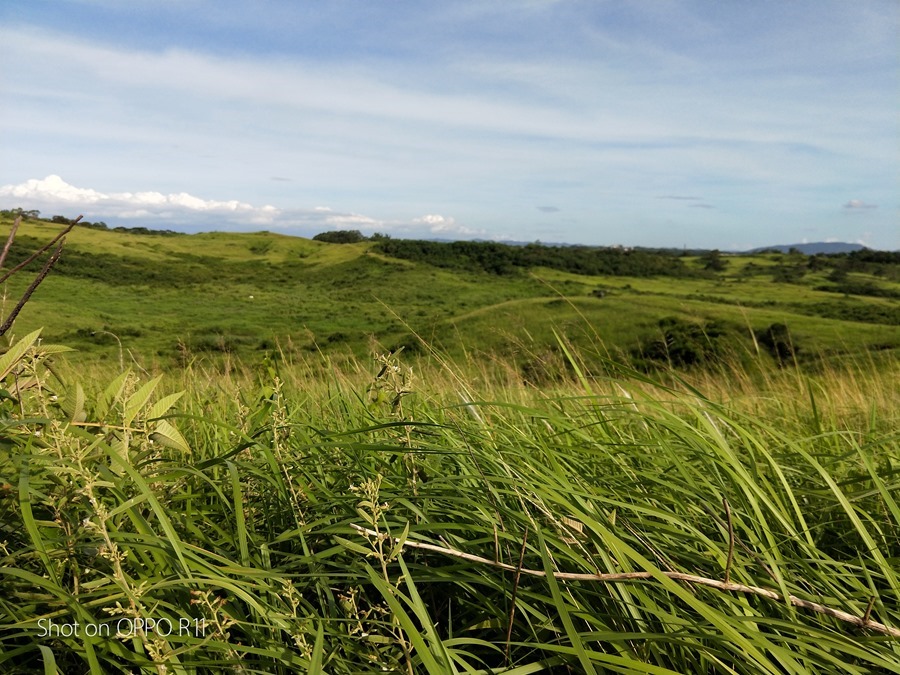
(650, 123)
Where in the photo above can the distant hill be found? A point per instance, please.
(825, 247)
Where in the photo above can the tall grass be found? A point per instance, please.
(372, 519)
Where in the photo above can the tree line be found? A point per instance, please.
(505, 259)
(34, 214)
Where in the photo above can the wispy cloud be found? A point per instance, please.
(548, 209)
(444, 225)
(698, 202)
(856, 204)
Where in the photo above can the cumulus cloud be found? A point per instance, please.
(859, 204)
(185, 211)
(54, 192)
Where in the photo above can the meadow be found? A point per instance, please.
(535, 483)
(166, 300)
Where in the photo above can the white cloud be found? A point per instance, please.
(55, 193)
(185, 211)
(435, 221)
(445, 225)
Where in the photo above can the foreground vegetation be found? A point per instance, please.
(375, 519)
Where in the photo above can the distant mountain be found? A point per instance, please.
(825, 247)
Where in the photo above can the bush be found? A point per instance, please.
(341, 237)
(788, 274)
(686, 344)
(778, 342)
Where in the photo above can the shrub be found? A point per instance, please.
(340, 237)
(778, 342)
(687, 344)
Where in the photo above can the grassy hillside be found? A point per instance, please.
(170, 299)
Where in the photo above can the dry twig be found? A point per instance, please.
(512, 609)
(34, 284)
(39, 251)
(9, 240)
(51, 261)
(862, 622)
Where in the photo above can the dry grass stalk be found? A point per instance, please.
(862, 622)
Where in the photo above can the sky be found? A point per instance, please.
(695, 123)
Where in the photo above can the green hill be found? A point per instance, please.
(177, 297)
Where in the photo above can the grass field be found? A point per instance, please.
(540, 481)
(168, 299)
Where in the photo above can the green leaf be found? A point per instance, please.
(49, 350)
(352, 546)
(402, 617)
(160, 408)
(315, 662)
(15, 353)
(139, 399)
(49, 660)
(398, 547)
(31, 525)
(240, 522)
(110, 395)
(562, 607)
(167, 435)
(78, 414)
(119, 445)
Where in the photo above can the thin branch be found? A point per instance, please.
(869, 609)
(512, 609)
(40, 250)
(730, 541)
(862, 622)
(34, 284)
(101, 425)
(749, 551)
(9, 240)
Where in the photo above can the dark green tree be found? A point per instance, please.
(714, 262)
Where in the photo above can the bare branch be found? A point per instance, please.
(34, 284)
(862, 622)
(9, 240)
(40, 250)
